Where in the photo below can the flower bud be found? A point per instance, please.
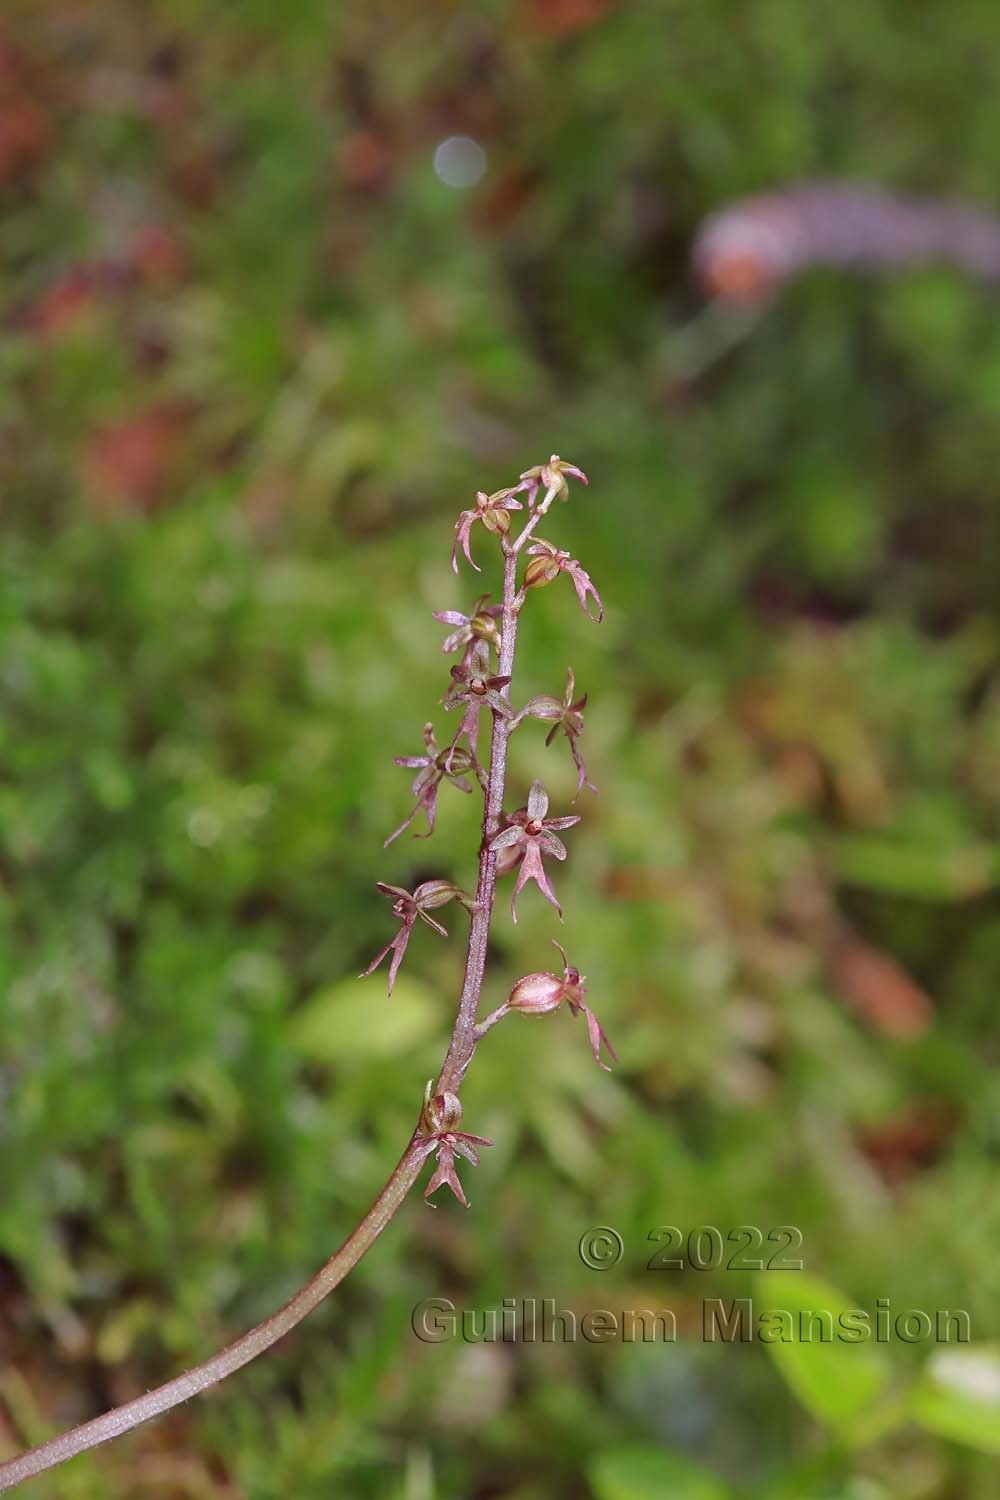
(454, 762)
(540, 571)
(537, 994)
(483, 625)
(544, 706)
(433, 893)
(442, 1112)
(497, 521)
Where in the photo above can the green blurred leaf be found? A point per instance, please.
(958, 1397)
(837, 1381)
(855, 1487)
(355, 1021)
(903, 869)
(647, 1473)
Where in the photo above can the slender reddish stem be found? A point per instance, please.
(123, 1418)
(463, 1038)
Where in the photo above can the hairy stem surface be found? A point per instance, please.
(463, 1039)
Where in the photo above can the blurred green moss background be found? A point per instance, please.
(256, 355)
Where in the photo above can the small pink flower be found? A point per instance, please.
(472, 684)
(550, 476)
(533, 832)
(548, 562)
(479, 625)
(432, 768)
(407, 907)
(538, 994)
(442, 1112)
(564, 714)
(492, 510)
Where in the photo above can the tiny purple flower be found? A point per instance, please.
(550, 476)
(472, 684)
(407, 907)
(492, 510)
(442, 1112)
(432, 768)
(533, 832)
(564, 714)
(480, 624)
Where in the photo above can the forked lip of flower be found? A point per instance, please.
(446, 1143)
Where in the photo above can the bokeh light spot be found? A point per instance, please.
(459, 161)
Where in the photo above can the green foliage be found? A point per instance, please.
(648, 1473)
(958, 1396)
(839, 1382)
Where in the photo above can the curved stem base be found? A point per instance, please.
(123, 1418)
